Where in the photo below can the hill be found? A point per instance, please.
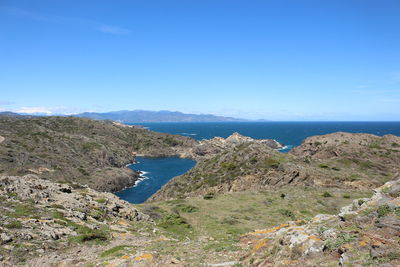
(341, 160)
(67, 149)
(137, 116)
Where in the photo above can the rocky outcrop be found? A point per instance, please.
(51, 216)
(238, 163)
(209, 148)
(89, 152)
(363, 233)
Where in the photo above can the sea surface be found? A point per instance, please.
(155, 173)
(158, 172)
(290, 134)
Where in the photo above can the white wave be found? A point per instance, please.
(141, 178)
(142, 173)
(188, 134)
(285, 147)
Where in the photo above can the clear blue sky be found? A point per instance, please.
(279, 60)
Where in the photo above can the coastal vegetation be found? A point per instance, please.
(332, 200)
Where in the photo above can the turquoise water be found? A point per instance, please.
(156, 173)
(160, 170)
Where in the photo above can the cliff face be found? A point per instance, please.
(80, 150)
(336, 160)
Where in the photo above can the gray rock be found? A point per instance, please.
(5, 238)
(390, 222)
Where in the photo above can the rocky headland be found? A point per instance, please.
(66, 149)
(342, 160)
(332, 201)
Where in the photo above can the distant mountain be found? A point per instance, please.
(137, 116)
(9, 114)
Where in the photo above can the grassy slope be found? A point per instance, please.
(75, 149)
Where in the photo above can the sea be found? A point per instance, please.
(157, 172)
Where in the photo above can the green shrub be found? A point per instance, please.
(383, 210)
(87, 234)
(185, 208)
(397, 211)
(346, 195)
(323, 166)
(90, 146)
(24, 210)
(287, 213)
(228, 165)
(272, 163)
(14, 224)
(395, 145)
(101, 200)
(174, 223)
(210, 195)
(326, 194)
(115, 251)
(375, 145)
(342, 239)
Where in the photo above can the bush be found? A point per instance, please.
(210, 195)
(323, 166)
(346, 195)
(383, 210)
(272, 163)
(326, 194)
(173, 223)
(228, 165)
(90, 146)
(287, 213)
(342, 239)
(14, 225)
(395, 145)
(87, 235)
(185, 208)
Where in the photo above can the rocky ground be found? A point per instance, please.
(336, 160)
(39, 216)
(364, 233)
(51, 214)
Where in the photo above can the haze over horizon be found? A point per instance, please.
(274, 60)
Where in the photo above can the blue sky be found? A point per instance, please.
(278, 60)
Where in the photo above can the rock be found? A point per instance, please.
(5, 238)
(329, 234)
(344, 258)
(395, 190)
(66, 189)
(389, 222)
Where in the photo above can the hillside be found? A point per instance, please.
(138, 116)
(67, 149)
(337, 160)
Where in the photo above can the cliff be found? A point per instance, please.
(67, 149)
(335, 160)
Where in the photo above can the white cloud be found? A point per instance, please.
(113, 29)
(34, 110)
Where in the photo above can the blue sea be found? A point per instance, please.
(155, 173)
(160, 171)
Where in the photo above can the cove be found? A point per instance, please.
(156, 172)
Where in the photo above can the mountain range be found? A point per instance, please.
(135, 116)
(138, 116)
